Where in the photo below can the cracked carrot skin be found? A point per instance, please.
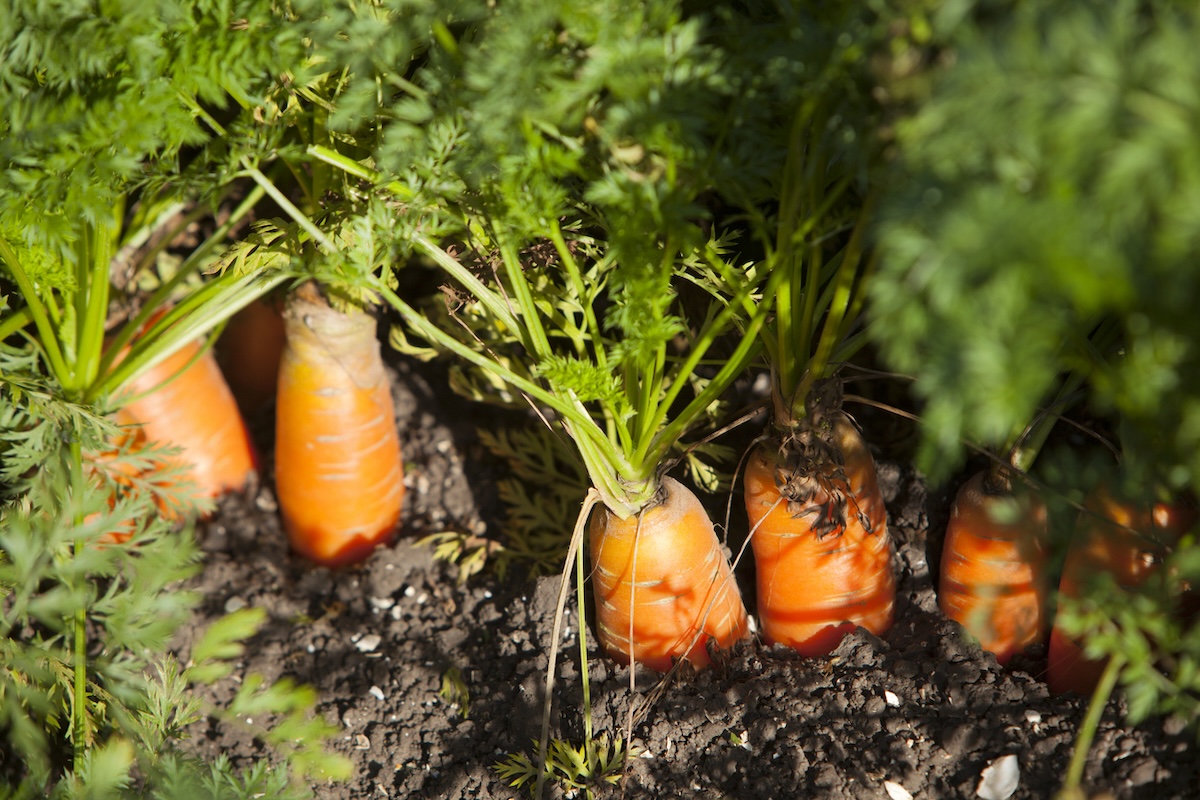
(683, 587)
(993, 568)
(813, 590)
(339, 476)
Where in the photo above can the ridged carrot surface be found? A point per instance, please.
(680, 588)
(814, 589)
(338, 470)
(195, 411)
(993, 568)
(1128, 543)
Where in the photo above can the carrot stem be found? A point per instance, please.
(47, 332)
(1087, 730)
(574, 552)
(79, 656)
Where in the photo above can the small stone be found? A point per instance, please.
(233, 604)
(891, 699)
(369, 642)
(896, 791)
(999, 778)
(361, 742)
(376, 692)
(266, 501)
(1033, 717)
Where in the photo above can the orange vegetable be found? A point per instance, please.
(249, 352)
(993, 566)
(338, 469)
(820, 539)
(662, 576)
(1124, 540)
(192, 408)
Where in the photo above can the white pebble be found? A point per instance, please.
(896, 791)
(369, 642)
(409, 591)
(382, 603)
(890, 698)
(1033, 717)
(999, 778)
(233, 604)
(376, 692)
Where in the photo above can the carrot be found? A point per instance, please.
(662, 585)
(819, 533)
(1124, 540)
(338, 469)
(184, 401)
(249, 352)
(993, 565)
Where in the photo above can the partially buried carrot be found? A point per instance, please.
(663, 587)
(338, 470)
(1128, 542)
(249, 352)
(993, 565)
(818, 528)
(184, 401)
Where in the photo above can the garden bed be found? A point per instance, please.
(919, 707)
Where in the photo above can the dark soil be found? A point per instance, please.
(918, 711)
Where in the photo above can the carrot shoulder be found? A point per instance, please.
(190, 406)
(993, 567)
(338, 470)
(824, 561)
(662, 585)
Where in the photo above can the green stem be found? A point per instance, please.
(160, 296)
(580, 598)
(15, 322)
(538, 343)
(845, 284)
(289, 207)
(1087, 730)
(599, 455)
(79, 656)
(198, 313)
(656, 448)
(357, 170)
(94, 292)
(47, 332)
(1025, 444)
(494, 304)
(580, 288)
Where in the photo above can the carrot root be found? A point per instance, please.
(993, 571)
(662, 575)
(338, 469)
(816, 585)
(1125, 541)
(192, 408)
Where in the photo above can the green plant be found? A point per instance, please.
(111, 147)
(124, 708)
(1043, 193)
(586, 767)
